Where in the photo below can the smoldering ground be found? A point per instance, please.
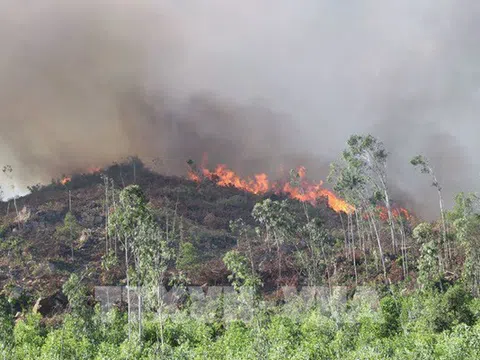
(255, 84)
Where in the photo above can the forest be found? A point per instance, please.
(125, 226)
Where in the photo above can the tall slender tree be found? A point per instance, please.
(465, 218)
(8, 170)
(278, 224)
(128, 221)
(423, 164)
(351, 180)
(368, 156)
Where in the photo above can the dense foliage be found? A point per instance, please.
(422, 325)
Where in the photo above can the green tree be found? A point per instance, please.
(367, 157)
(153, 254)
(423, 164)
(391, 310)
(314, 258)
(278, 224)
(429, 266)
(247, 238)
(29, 337)
(352, 179)
(187, 257)
(69, 231)
(130, 221)
(466, 223)
(245, 281)
(71, 341)
(6, 327)
(451, 309)
(144, 243)
(7, 171)
(241, 273)
(76, 293)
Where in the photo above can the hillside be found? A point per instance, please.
(416, 289)
(34, 258)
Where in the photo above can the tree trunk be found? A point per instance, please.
(279, 255)
(361, 236)
(134, 172)
(326, 269)
(444, 226)
(390, 220)
(374, 226)
(106, 215)
(129, 311)
(71, 240)
(139, 297)
(114, 209)
(403, 249)
(352, 238)
(345, 235)
(160, 311)
(15, 204)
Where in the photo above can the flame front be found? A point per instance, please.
(308, 192)
(397, 212)
(226, 177)
(305, 192)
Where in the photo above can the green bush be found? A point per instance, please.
(404, 327)
(29, 337)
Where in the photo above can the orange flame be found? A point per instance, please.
(194, 177)
(397, 212)
(306, 192)
(91, 170)
(226, 177)
(65, 180)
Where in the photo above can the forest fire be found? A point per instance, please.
(90, 171)
(260, 184)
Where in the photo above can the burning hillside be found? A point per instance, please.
(301, 189)
(91, 170)
(298, 187)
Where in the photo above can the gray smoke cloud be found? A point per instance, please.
(255, 84)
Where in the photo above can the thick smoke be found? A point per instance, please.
(256, 84)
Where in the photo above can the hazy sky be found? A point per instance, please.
(87, 82)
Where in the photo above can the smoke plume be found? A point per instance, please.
(255, 84)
